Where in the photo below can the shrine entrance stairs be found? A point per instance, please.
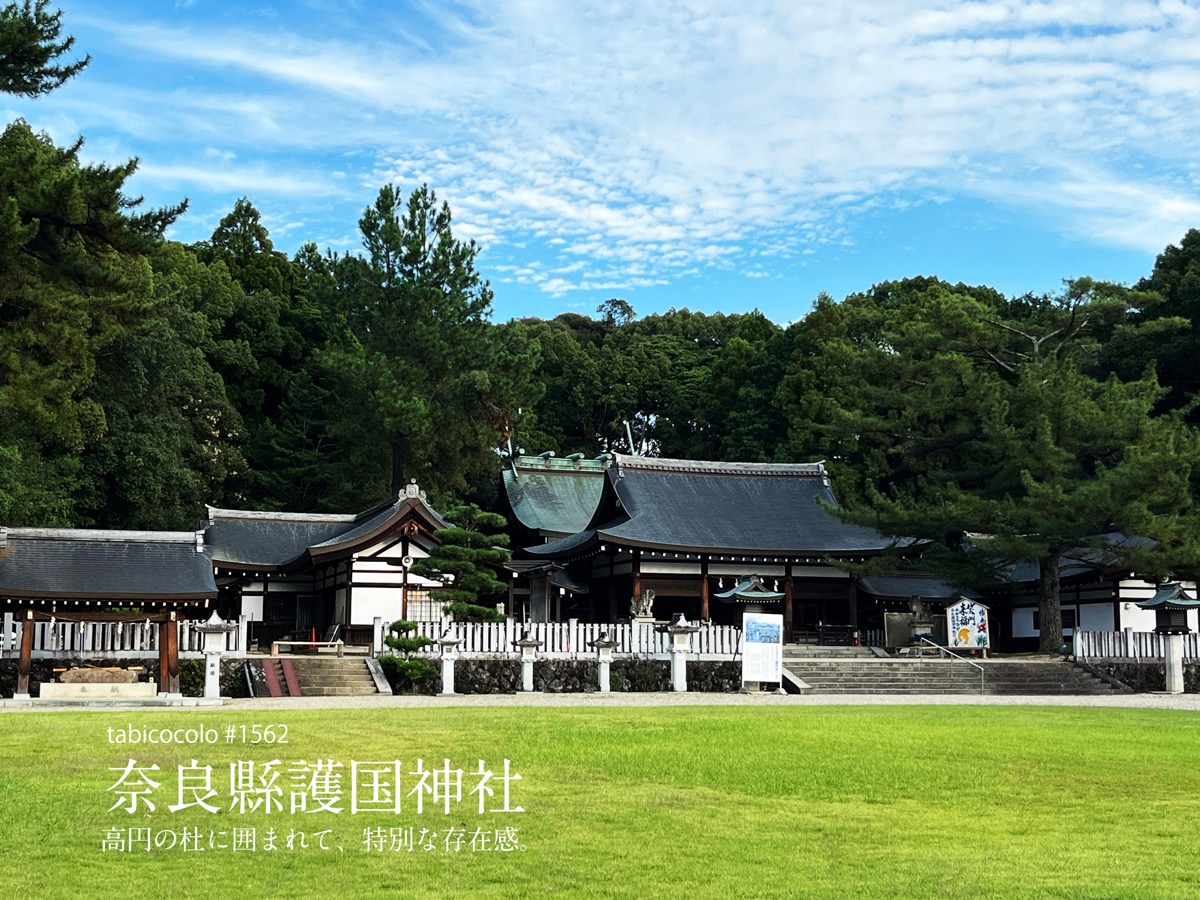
(869, 674)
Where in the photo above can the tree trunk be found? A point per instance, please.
(1049, 606)
(397, 470)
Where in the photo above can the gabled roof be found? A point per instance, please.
(715, 507)
(270, 540)
(67, 563)
(752, 590)
(1080, 562)
(907, 585)
(555, 496)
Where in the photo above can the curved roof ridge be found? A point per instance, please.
(215, 513)
(90, 534)
(708, 467)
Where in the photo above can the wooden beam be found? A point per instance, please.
(704, 588)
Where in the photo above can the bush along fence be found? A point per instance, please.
(482, 675)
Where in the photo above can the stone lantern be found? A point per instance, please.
(681, 632)
(604, 650)
(448, 644)
(214, 631)
(1171, 605)
(529, 647)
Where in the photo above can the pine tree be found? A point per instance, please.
(466, 559)
(29, 45)
(958, 418)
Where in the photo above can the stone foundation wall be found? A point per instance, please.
(1150, 676)
(191, 674)
(569, 676)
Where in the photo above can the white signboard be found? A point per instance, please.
(762, 647)
(967, 625)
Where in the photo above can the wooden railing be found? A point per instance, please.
(110, 640)
(1132, 645)
(572, 640)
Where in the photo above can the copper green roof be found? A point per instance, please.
(1170, 596)
(750, 591)
(554, 496)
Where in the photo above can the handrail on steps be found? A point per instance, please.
(950, 652)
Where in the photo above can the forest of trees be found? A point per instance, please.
(141, 378)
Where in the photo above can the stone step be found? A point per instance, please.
(337, 692)
(334, 677)
(947, 676)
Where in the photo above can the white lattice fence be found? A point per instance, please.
(572, 640)
(1134, 645)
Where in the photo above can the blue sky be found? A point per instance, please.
(711, 155)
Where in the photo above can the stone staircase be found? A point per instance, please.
(1044, 677)
(333, 677)
(862, 675)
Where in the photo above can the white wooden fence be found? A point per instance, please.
(1130, 644)
(110, 640)
(572, 640)
(559, 640)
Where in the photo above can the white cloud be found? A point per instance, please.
(679, 136)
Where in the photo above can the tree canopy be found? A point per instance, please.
(30, 46)
(959, 418)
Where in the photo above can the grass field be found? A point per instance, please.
(639, 802)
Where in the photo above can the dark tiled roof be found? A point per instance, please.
(1078, 562)
(554, 496)
(705, 506)
(270, 540)
(376, 520)
(565, 547)
(62, 563)
(906, 586)
(267, 542)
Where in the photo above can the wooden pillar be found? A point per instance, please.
(404, 585)
(637, 575)
(164, 664)
(704, 588)
(25, 662)
(172, 654)
(613, 612)
(787, 603)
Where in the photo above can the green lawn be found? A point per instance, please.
(645, 802)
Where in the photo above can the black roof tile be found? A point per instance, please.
(63, 563)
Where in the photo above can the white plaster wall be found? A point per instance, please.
(1096, 617)
(252, 608)
(1022, 620)
(372, 602)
